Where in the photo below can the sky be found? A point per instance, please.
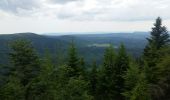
(58, 16)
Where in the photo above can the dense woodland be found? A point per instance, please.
(119, 77)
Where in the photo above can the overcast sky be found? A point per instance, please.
(48, 16)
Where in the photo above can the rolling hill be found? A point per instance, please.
(91, 46)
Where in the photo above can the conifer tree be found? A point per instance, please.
(131, 78)
(121, 66)
(42, 88)
(161, 87)
(73, 61)
(13, 89)
(93, 80)
(107, 76)
(82, 68)
(24, 60)
(141, 90)
(159, 38)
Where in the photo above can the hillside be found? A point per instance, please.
(92, 45)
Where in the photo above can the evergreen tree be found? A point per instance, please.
(106, 84)
(13, 90)
(137, 86)
(161, 88)
(131, 78)
(141, 90)
(77, 89)
(159, 38)
(24, 60)
(42, 88)
(93, 80)
(82, 68)
(121, 66)
(73, 61)
(59, 55)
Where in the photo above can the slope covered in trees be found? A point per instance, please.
(118, 77)
(95, 43)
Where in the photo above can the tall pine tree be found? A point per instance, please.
(25, 61)
(93, 78)
(159, 38)
(121, 66)
(106, 84)
(73, 61)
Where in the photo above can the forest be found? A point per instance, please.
(119, 76)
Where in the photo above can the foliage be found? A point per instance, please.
(30, 76)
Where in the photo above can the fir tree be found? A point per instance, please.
(13, 89)
(24, 60)
(93, 80)
(73, 61)
(141, 90)
(121, 66)
(159, 38)
(106, 84)
(42, 88)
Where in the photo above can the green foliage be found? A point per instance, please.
(131, 78)
(121, 66)
(118, 78)
(24, 60)
(13, 90)
(41, 88)
(73, 61)
(156, 56)
(136, 83)
(161, 87)
(159, 38)
(76, 89)
(141, 90)
(105, 89)
(93, 78)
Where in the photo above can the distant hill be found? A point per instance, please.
(92, 46)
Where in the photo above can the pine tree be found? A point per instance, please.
(121, 66)
(131, 78)
(82, 68)
(24, 60)
(107, 76)
(141, 90)
(13, 90)
(93, 80)
(77, 89)
(42, 88)
(73, 61)
(161, 88)
(159, 38)
(59, 55)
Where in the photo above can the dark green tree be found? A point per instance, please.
(13, 90)
(82, 68)
(24, 60)
(121, 66)
(73, 61)
(141, 90)
(77, 89)
(159, 38)
(131, 79)
(93, 78)
(160, 88)
(42, 88)
(106, 84)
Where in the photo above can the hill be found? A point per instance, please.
(91, 46)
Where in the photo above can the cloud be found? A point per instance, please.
(15, 6)
(63, 1)
(83, 10)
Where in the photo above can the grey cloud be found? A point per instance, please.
(63, 1)
(13, 6)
